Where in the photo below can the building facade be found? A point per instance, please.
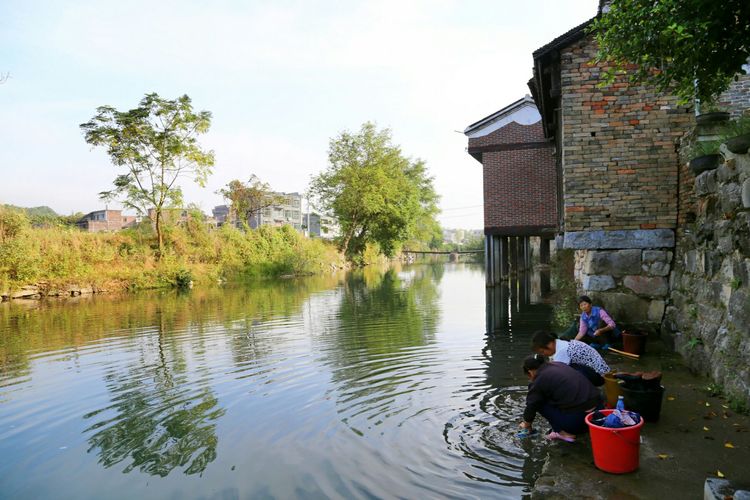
(519, 185)
(321, 226)
(105, 220)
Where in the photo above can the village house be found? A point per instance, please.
(105, 220)
(321, 226)
(519, 184)
(664, 248)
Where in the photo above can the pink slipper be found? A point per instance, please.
(556, 435)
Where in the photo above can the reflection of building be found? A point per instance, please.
(288, 212)
(321, 226)
(105, 220)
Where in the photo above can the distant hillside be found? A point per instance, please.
(34, 211)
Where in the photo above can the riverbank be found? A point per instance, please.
(698, 436)
(40, 262)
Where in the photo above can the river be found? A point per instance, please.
(380, 383)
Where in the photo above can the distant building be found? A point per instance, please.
(105, 220)
(289, 212)
(221, 214)
(171, 215)
(321, 226)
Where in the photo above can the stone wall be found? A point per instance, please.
(620, 182)
(708, 313)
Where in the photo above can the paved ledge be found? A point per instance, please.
(687, 446)
(637, 238)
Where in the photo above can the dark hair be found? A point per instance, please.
(541, 338)
(533, 362)
(584, 298)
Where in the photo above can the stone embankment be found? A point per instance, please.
(41, 290)
(709, 308)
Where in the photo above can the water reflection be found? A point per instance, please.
(336, 382)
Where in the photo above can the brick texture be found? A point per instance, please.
(520, 182)
(620, 166)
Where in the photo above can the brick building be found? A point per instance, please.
(616, 158)
(519, 184)
(105, 220)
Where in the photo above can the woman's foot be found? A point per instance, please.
(562, 436)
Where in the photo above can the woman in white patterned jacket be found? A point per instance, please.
(575, 353)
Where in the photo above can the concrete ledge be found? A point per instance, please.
(636, 238)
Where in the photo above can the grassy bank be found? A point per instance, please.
(59, 256)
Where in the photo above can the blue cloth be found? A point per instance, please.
(592, 320)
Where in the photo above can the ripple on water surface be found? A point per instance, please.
(376, 384)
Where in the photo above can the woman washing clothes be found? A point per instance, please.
(578, 355)
(589, 329)
(560, 394)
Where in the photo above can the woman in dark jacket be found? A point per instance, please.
(560, 394)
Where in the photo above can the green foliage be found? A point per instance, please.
(377, 194)
(12, 222)
(702, 148)
(736, 283)
(689, 47)
(248, 200)
(156, 143)
(192, 252)
(565, 296)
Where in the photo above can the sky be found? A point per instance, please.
(281, 78)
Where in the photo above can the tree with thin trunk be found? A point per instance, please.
(156, 143)
(247, 200)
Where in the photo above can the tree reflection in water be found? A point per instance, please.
(162, 422)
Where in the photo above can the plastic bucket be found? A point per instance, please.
(634, 342)
(647, 403)
(615, 450)
(611, 389)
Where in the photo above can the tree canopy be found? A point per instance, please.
(378, 195)
(694, 48)
(246, 200)
(157, 144)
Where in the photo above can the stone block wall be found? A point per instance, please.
(619, 149)
(631, 283)
(708, 312)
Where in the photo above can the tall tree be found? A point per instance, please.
(249, 199)
(690, 47)
(377, 194)
(157, 144)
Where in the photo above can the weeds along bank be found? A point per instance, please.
(56, 260)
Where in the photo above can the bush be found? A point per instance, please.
(193, 253)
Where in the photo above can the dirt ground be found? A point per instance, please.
(697, 437)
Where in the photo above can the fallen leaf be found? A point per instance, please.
(728, 445)
(663, 456)
(708, 404)
(719, 473)
(725, 406)
(706, 428)
(670, 398)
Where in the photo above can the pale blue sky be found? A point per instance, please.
(280, 78)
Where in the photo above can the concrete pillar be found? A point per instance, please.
(513, 244)
(488, 259)
(544, 253)
(504, 257)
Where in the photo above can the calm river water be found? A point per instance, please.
(376, 384)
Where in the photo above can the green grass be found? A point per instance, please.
(57, 256)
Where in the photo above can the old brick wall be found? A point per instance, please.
(519, 179)
(736, 98)
(519, 188)
(620, 165)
